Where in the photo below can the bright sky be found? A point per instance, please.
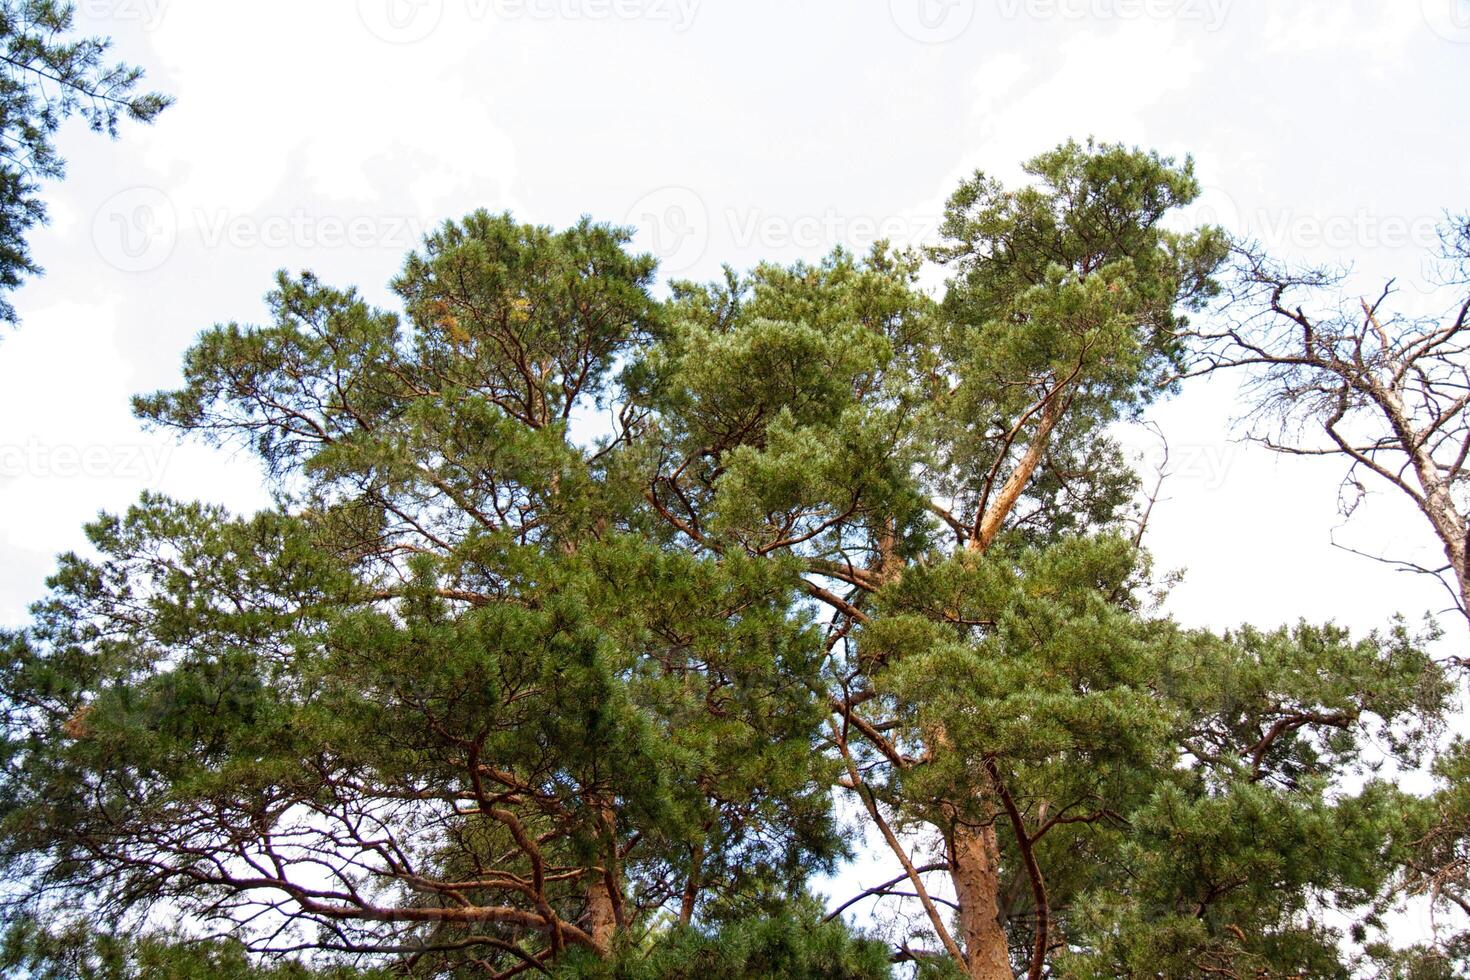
(329, 135)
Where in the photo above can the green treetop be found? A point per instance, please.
(483, 696)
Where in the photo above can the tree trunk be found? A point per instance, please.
(1435, 500)
(604, 895)
(691, 886)
(988, 524)
(975, 869)
(974, 854)
(602, 916)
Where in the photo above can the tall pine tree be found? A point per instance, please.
(488, 693)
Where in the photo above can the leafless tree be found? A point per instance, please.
(1358, 378)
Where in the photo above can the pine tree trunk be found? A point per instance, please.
(602, 917)
(975, 869)
(604, 897)
(974, 854)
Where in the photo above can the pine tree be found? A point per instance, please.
(491, 690)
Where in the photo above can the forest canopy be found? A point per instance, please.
(591, 625)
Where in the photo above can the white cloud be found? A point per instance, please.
(317, 101)
(1099, 81)
(1375, 34)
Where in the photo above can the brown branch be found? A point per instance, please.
(882, 890)
(871, 804)
(1033, 870)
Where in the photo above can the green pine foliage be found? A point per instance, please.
(47, 76)
(77, 951)
(792, 942)
(494, 691)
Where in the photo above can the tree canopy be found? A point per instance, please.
(589, 627)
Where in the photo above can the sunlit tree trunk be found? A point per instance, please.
(974, 858)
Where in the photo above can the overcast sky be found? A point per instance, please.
(329, 135)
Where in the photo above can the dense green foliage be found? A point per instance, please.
(47, 76)
(792, 944)
(498, 688)
(79, 952)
